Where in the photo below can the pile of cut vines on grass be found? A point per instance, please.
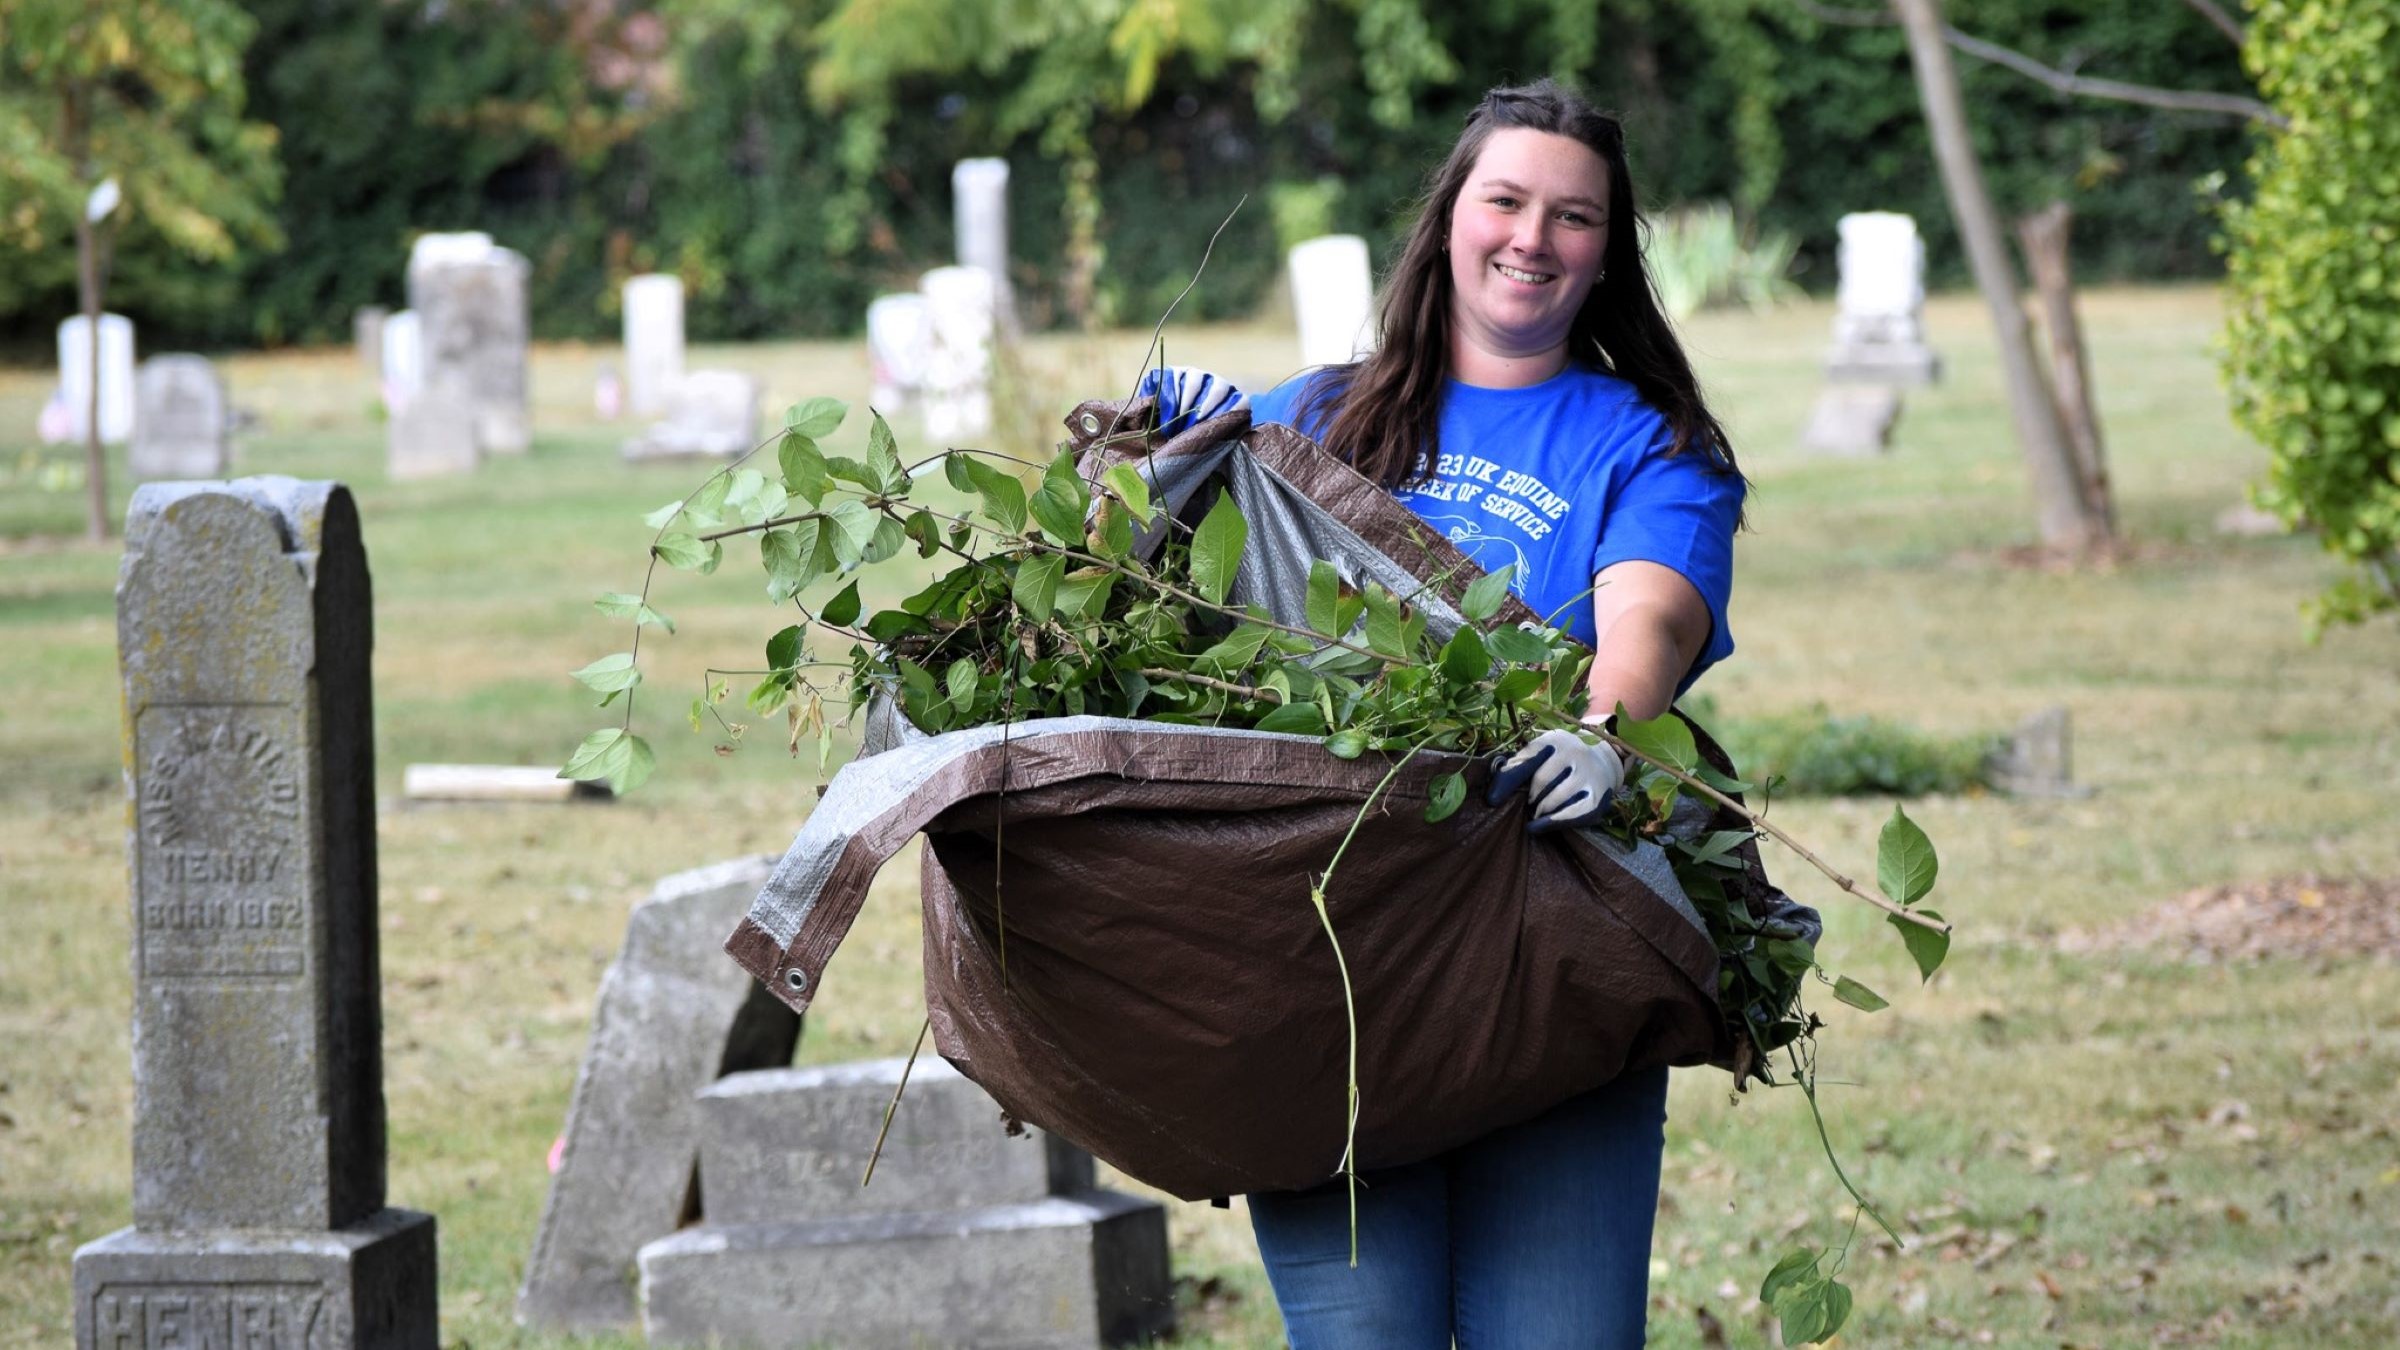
(1045, 611)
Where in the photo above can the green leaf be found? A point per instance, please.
(1484, 595)
(747, 483)
(1464, 660)
(1217, 549)
(1448, 791)
(1663, 739)
(816, 418)
(1520, 646)
(612, 674)
(1385, 633)
(1716, 844)
(961, 682)
(1904, 862)
(1802, 1310)
(658, 519)
(1060, 502)
(957, 470)
(1112, 534)
(783, 649)
(1003, 496)
(849, 528)
(707, 506)
(1324, 597)
(1236, 650)
(804, 475)
(858, 473)
(1926, 946)
(889, 537)
(1517, 686)
(927, 531)
(1566, 680)
(1084, 596)
(842, 610)
(686, 553)
(618, 605)
(788, 555)
(1792, 956)
(1348, 743)
(1036, 586)
(1858, 995)
(1837, 1308)
(1126, 481)
(1299, 719)
(617, 755)
(883, 456)
(1794, 1268)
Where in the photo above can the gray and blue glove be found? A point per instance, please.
(1567, 779)
(1188, 395)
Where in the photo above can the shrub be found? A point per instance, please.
(2312, 349)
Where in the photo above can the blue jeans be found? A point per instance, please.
(1534, 1237)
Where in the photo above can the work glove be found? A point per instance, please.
(1567, 779)
(1187, 395)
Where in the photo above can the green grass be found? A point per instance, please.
(2187, 1155)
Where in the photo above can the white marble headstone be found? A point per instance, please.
(1881, 298)
(180, 427)
(899, 342)
(958, 367)
(116, 376)
(653, 340)
(711, 414)
(403, 358)
(979, 215)
(1333, 299)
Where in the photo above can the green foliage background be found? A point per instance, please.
(2313, 308)
(724, 155)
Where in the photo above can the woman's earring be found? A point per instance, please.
(1600, 278)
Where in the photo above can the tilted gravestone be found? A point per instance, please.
(1333, 299)
(673, 1016)
(181, 419)
(243, 628)
(653, 341)
(973, 1232)
(469, 297)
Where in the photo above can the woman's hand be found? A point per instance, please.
(1188, 395)
(1568, 780)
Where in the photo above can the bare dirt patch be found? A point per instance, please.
(2304, 916)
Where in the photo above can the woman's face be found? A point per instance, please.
(1527, 235)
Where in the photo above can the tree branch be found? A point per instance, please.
(2175, 100)
(2223, 22)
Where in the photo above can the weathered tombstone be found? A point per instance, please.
(181, 420)
(469, 295)
(1879, 321)
(653, 340)
(1333, 299)
(958, 359)
(2037, 760)
(366, 333)
(967, 1236)
(403, 355)
(116, 376)
(899, 343)
(1852, 420)
(979, 218)
(243, 630)
(672, 1017)
(711, 414)
(432, 435)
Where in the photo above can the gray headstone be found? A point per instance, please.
(1064, 1273)
(244, 627)
(1852, 420)
(787, 1143)
(432, 434)
(673, 1015)
(2037, 760)
(181, 419)
(711, 414)
(366, 332)
(471, 311)
(653, 341)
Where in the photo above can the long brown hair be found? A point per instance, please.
(1384, 412)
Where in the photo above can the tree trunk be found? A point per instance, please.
(2044, 235)
(87, 286)
(2065, 523)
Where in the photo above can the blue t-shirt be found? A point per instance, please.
(1561, 479)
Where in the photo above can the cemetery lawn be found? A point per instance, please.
(2086, 1147)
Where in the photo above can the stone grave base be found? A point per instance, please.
(370, 1286)
(1852, 420)
(1066, 1271)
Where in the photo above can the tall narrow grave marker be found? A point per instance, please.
(258, 1139)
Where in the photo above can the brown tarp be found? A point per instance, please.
(1120, 945)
